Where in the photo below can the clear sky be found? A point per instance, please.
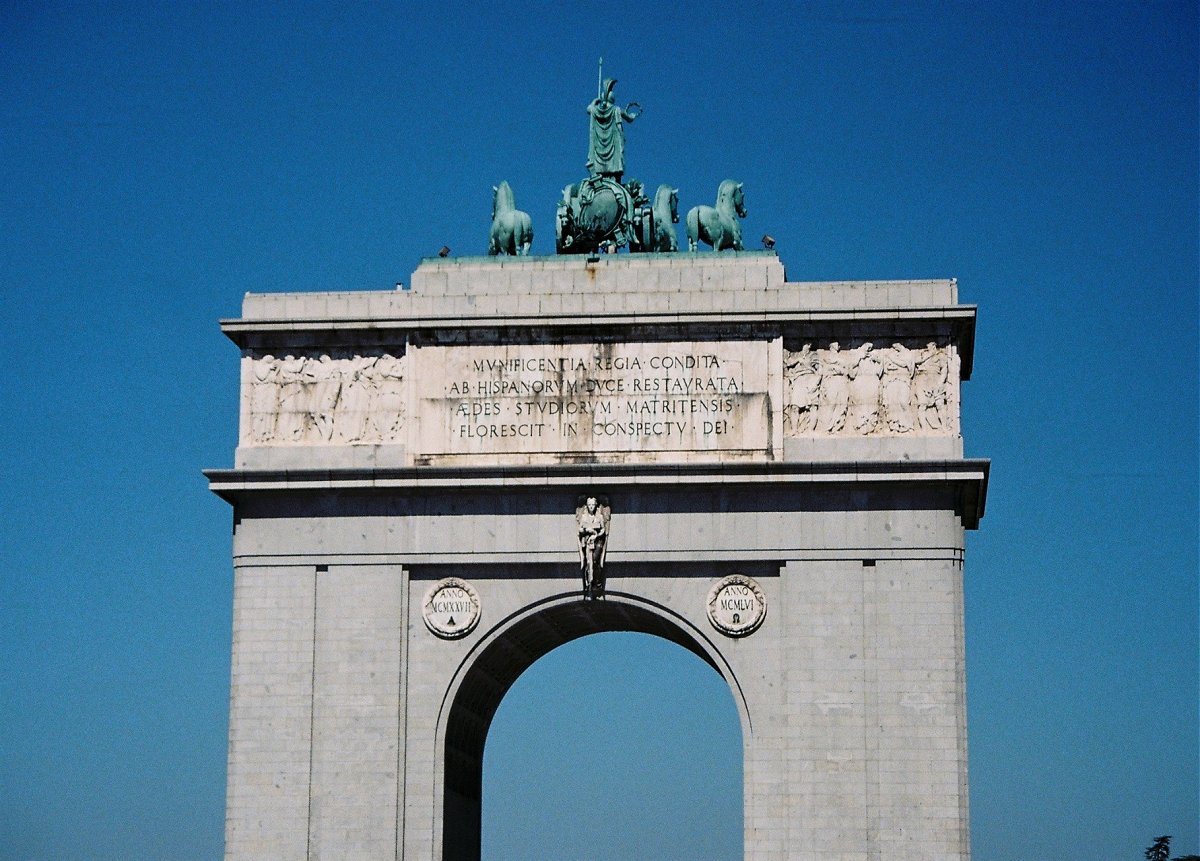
(158, 160)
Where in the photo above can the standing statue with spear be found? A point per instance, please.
(606, 137)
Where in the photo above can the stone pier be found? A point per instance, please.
(779, 471)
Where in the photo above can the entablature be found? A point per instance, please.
(967, 478)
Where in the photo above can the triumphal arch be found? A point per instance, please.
(434, 487)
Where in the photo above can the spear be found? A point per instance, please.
(600, 79)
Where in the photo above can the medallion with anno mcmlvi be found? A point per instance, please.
(736, 605)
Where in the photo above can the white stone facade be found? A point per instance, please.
(357, 727)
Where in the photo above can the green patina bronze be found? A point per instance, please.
(602, 213)
(664, 213)
(512, 231)
(718, 225)
(606, 132)
(594, 215)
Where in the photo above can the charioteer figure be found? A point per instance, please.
(606, 132)
(600, 213)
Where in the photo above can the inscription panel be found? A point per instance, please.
(608, 401)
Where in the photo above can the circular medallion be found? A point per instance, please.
(736, 605)
(451, 608)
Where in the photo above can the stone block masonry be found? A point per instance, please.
(796, 445)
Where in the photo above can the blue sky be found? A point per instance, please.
(159, 160)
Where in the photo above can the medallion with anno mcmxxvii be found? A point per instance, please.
(451, 608)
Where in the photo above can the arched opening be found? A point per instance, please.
(615, 746)
(504, 655)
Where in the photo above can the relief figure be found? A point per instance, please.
(294, 383)
(802, 372)
(264, 398)
(862, 414)
(388, 405)
(899, 366)
(323, 396)
(870, 391)
(298, 400)
(930, 381)
(836, 367)
(350, 412)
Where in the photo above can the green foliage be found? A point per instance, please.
(1160, 849)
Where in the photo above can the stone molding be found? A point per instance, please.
(969, 476)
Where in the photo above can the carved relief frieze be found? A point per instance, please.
(322, 400)
(870, 391)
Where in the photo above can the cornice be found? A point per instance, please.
(969, 476)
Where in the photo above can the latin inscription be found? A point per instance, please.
(584, 398)
(451, 608)
(736, 605)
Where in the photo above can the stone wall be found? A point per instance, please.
(659, 358)
(810, 464)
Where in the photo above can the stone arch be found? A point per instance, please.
(498, 660)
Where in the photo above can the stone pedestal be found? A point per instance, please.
(786, 497)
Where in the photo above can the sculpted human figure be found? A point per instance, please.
(801, 370)
(899, 366)
(264, 398)
(835, 386)
(295, 379)
(323, 398)
(606, 135)
(350, 413)
(387, 406)
(592, 519)
(637, 193)
(950, 406)
(862, 414)
(930, 381)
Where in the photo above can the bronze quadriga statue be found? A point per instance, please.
(603, 213)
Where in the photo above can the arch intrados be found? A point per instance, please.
(515, 643)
